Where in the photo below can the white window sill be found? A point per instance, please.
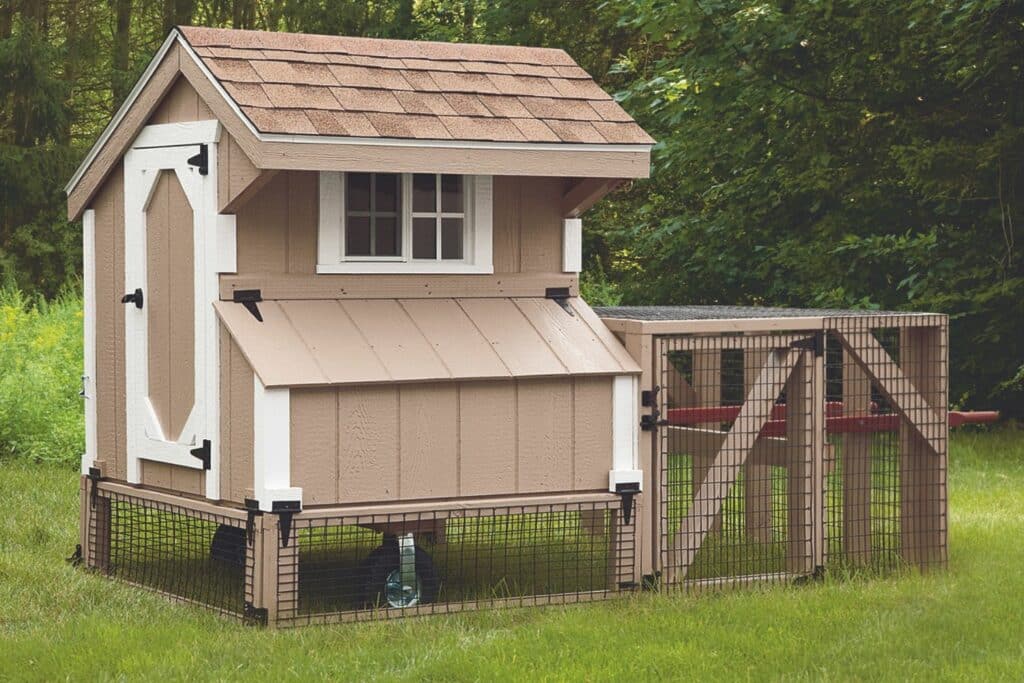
(403, 268)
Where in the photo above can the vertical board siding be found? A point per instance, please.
(236, 422)
(277, 227)
(445, 440)
(181, 103)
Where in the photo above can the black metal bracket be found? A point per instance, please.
(133, 298)
(649, 423)
(815, 342)
(94, 479)
(560, 295)
(627, 491)
(285, 509)
(203, 453)
(250, 526)
(649, 397)
(249, 298)
(256, 616)
(201, 160)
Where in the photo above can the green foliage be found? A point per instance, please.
(40, 377)
(837, 153)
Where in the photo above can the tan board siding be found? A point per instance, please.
(445, 440)
(110, 397)
(277, 226)
(181, 103)
(170, 304)
(236, 428)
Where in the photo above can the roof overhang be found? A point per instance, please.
(328, 153)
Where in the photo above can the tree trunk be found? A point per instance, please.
(122, 52)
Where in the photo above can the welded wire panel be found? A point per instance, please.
(886, 485)
(736, 472)
(446, 560)
(187, 554)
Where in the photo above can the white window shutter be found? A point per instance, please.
(483, 206)
(329, 226)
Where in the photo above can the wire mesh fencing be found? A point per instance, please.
(736, 465)
(188, 554)
(365, 566)
(887, 434)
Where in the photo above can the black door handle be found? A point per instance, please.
(133, 298)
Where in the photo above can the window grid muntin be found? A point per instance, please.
(372, 214)
(438, 215)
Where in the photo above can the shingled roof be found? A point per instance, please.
(372, 88)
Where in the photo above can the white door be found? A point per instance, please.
(170, 286)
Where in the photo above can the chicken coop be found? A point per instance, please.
(337, 365)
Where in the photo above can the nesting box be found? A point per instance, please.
(337, 364)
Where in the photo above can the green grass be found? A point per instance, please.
(57, 622)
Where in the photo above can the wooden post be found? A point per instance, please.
(99, 552)
(268, 544)
(647, 520)
(923, 462)
(707, 385)
(757, 484)
(799, 494)
(819, 444)
(856, 466)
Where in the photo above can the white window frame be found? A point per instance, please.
(476, 243)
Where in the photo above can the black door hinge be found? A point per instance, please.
(649, 397)
(249, 298)
(649, 423)
(94, 479)
(815, 342)
(201, 160)
(560, 295)
(203, 453)
(133, 298)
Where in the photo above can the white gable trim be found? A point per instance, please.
(89, 325)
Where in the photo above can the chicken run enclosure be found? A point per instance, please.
(778, 444)
(337, 364)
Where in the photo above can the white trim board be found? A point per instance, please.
(271, 447)
(89, 329)
(625, 432)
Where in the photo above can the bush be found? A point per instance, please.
(41, 412)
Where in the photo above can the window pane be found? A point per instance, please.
(387, 191)
(451, 238)
(357, 236)
(424, 197)
(451, 194)
(424, 238)
(357, 191)
(389, 242)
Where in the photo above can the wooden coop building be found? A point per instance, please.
(337, 365)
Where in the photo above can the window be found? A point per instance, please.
(404, 223)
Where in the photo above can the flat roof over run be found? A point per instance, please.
(732, 312)
(366, 341)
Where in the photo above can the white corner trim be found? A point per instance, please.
(271, 449)
(572, 245)
(178, 134)
(625, 431)
(89, 328)
(482, 209)
(332, 203)
(227, 245)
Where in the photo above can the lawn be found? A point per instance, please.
(58, 622)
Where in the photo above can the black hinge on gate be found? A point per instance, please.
(133, 298)
(649, 397)
(285, 509)
(201, 160)
(815, 342)
(203, 453)
(249, 298)
(560, 295)
(627, 491)
(254, 615)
